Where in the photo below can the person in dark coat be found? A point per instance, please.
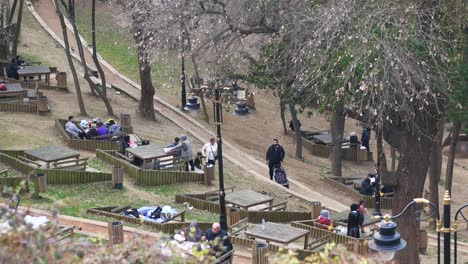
(354, 218)
(274, 156)
(353, 140)
(365, 138)
(217, 235)
(92, 132)
(192, 233)
(291, 125)
(125, 143)
(12, 70)
(366, 187)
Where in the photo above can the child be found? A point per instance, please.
(324, 219)
(362, 210)
(198, 161)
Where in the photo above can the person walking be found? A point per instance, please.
(210, 152)
(274, 156)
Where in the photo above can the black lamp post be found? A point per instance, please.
(182, 77)
(444, 227)
(218, 114)
(377, 196)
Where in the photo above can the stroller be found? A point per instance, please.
(280, 177)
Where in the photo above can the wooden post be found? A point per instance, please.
(125, 120)
(422, 241)
(259, 251)
(42, 104)
(117, 177)
(316, 208)
(116, 235)
(209, 174)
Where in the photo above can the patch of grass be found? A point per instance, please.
(99, 165)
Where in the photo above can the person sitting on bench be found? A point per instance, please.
(101, 129)
(73, 130)
(114, 128)
(92, 132)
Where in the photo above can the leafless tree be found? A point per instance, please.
(388, 61)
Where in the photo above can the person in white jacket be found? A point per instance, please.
(210, 152)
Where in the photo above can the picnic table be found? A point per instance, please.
(147, 153)
(278, 233)
(53, 154)
(326, 139)
(32, 71)
(247, 198)
(13, 90)
(341, 218)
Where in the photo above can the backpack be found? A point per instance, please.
(156, 213)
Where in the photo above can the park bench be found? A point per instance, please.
(238, 227)
(4, 173)
(225, 259)
(276, 207)
(214, 195)
(28, 161)
(169, 163)
(318, 244)
(108, 137)
(122, 156)
(72, 164)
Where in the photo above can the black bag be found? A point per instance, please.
(132, 213)
(280, 177)
(156, 213)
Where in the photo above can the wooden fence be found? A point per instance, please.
(89, 145)
(169, 227)
(18, 107)
(324, 151)
(358, 245)
(14, 182)
(339, 183)
(149, 177)
(54, 176)
(40, 85)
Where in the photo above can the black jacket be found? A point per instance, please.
(221, 236)
(275, 154)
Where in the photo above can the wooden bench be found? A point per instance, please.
(4, 173)
(72, 164)
(63, 235)
(276, 207)
(225, 259)
(214, 195)
(122, 156)
(169, 163)
(108, 137)
(238, 227)
(28, 161)
(318, 244)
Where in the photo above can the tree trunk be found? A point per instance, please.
(451, 156)
(14, 48)
(337, 130)
(12, 12)
(103, 91)
(411, 173)
(70, 62)
(393, 154)
(435, 169)
(292, 109)
(283, 118)
(206, 117)
(146, 107)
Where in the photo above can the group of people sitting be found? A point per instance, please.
(365, 138)
(13, 67)
(92, 129)
(355, 220)
(217, 239)
(369, 185)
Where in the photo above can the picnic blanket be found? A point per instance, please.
(153, 214)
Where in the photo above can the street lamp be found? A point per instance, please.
(218, 116)
(381, 240)
(387, 241)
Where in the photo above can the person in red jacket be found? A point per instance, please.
(324, 219)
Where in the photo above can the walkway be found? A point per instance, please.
(48, 19)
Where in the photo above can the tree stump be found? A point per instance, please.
(116, 234)
(117, 177)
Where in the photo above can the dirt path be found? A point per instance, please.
(259, 169)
